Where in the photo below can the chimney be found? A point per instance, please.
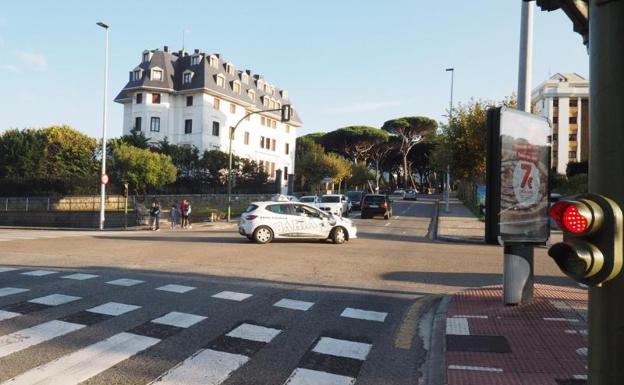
(196, 50)
(166, 48)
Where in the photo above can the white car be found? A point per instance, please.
(264, 221)
(336, 204)
(312, 200)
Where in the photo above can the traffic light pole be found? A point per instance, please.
(606, 308)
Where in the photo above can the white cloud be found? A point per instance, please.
(34, 61)
(10, 68)
(365, 106)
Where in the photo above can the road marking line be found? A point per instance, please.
(35, 335)
(342, 348)
(113, 308)
(579, 377)
(475, 368)
(176, 288)
(471, 316)
(581, 331)
(301, 376)
(6, 291)
(80, 276)
(206, 367)
(387, 224)
(125, 282)
(367, 315)
(5, 269)
(254, 333)
(39, 273)
(405, 335)
(562, 319)
(55, 299)
(294, 304)
(7, 315)
(177, 319)
(86, 363)
(457, 326)
(582, 352)
(232, 296)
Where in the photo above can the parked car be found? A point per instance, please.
(410, 195)
(291, 198)
(399, 193)
(356, 199)
(264, 221)
(376, 204)
(337, 204)
(312, 200)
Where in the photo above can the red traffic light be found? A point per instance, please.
(576, 217)
(573, 220)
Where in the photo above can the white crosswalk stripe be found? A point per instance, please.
(28, 235)
(35, 335)
(301, 376)
(6, 291)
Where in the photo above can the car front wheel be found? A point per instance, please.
(338, 235)
(262, 235)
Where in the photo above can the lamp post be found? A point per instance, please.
(448, 176)
(102, 178)
(286, 113)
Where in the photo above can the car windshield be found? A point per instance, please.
(330, 199)
(251, 208)
(306, 199)
(354, 195)
(374, 199)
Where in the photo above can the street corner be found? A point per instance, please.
(540, 342)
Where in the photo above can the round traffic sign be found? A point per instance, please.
(104, 178)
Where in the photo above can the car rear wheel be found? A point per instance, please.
(338, 235)
(262, 235)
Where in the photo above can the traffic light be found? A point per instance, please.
(591, 252)
(287, 112)
(125, 190)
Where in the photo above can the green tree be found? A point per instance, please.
(410, 130)
(144, 170)
(68, 153)
(310, 168)
(20, 153)
(354, 142)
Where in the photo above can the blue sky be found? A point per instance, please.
(344, 62)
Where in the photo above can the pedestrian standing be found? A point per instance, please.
(188, 214)
(183, 208)
(155, 216)
(173, 216)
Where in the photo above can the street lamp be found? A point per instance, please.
(103, 179)
(448, 167)
(286, 114)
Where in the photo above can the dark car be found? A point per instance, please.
(376, 204)
(356, 199)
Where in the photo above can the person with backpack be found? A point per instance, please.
(155, 216)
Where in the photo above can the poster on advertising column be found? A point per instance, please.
(518, 176)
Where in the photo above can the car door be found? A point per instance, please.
(312, 222)
(281, 219)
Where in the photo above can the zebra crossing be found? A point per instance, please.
(331, 358)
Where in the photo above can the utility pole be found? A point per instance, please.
(102, 181)
(518, 258)
(606, 73)
(447, 182)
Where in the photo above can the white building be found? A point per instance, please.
(195, 99)
(564, 100)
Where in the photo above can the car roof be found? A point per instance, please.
(332, 195)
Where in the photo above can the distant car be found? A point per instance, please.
(376, 204)
(337, 204)
(356, 199)
(312, 200)
(282, 197)
(410, 195)
(399, 192)
(264, 221)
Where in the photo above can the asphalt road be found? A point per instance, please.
(286, 312)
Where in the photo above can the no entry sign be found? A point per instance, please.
(104, 178)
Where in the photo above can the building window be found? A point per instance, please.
(139, 98)
(252, 95)
(155, 124)
(157, 75)
(188, 126)
(549, 138)
(572, 154)
(555, 137)
(215, 128)
(274, 123)
(573, 119)
(229, 68)
(573, 102)
(214, 62)
(272, 169)
(572, 137)
(216, 103)
(246, 137)
(231, 132)
(155, 98)
(285, 172)
(136, 75)
(221, 81)
(287, 148)
(189, 101)
(555, 102)
(262, 120)
(273, 144)
(267, 143)
(137, 123)
(195, 60)
(236, 88)
(555, 120)
(145, 57)
(262, 142)
(232, 108)
(288, 128)
(245, 78)
(186, 77)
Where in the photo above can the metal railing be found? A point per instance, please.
(72, 203)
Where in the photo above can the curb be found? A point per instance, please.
(435, 369)
(473, 241)
(432, 233)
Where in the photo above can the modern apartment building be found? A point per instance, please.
(564, 100)
(195, 99)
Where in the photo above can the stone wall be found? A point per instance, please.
(65, 219)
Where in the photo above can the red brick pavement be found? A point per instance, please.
(542, 352)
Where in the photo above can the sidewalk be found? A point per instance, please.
(541, 342)
(459, 224)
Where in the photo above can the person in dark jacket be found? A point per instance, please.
(155, 216)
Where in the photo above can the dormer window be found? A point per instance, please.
(147, 55)
(195, 60)
(214, 62)
(259, 84)
(157, 75)
(266, 88)
(236, 87)
(265, 102)
(229, 68)
(187, 76)
(221, 81)
(252, 95)
(245, 78)
(136, 75)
